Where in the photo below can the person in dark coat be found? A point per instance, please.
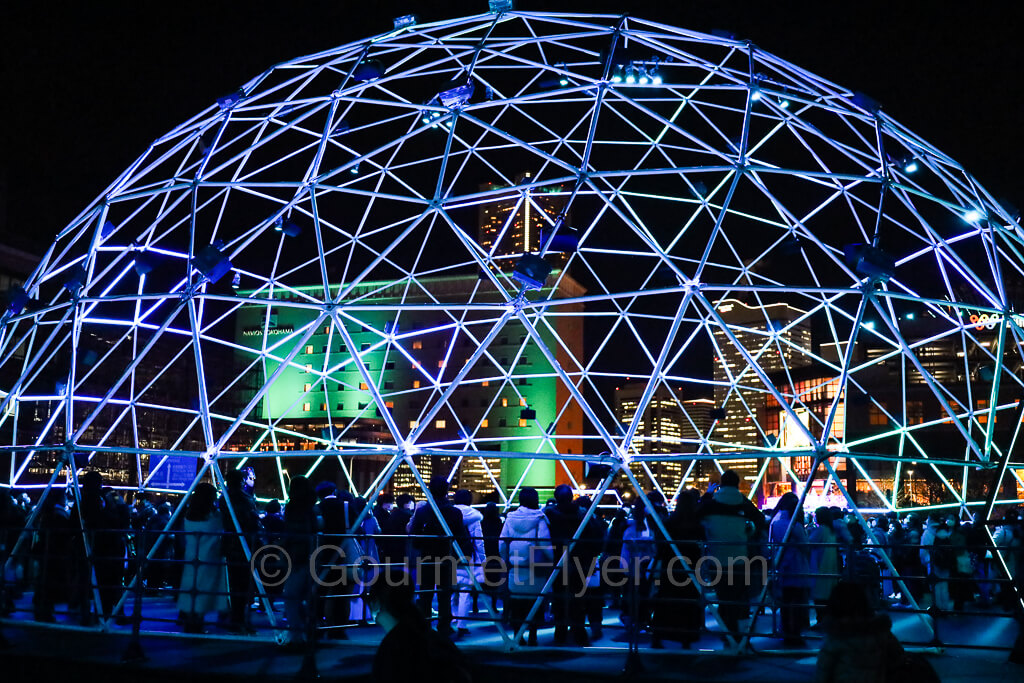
(301, 528)
(438, 552)
(393, 544)
(569, 590)
(859, 646)
(410, 651)
(240, 581)
(678, 612)
(494, 575)
(52, 550)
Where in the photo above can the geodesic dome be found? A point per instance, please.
(509, 247)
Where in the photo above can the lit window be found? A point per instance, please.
(522, 422)
(417, 344)
(362, 385)
(522, 402)
(307, 387)
(415, 384)
(309, 348)
(440, 364)
(305, 407)
(485, 383)
(309, 367)
(504, 403)
(323, 406)
(389, 404)
(440, 424)
(483, 423)
(413, 424)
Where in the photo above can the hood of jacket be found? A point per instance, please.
(470, 515)
(729, 495)
(523, 521)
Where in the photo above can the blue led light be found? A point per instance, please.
(973, 216)
(911, 166)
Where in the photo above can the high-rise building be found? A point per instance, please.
(768, 334)
(669, 426)
(515, 219)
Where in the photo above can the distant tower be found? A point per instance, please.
(739, 392)
(535, 210)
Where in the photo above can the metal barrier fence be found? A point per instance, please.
(306, 589)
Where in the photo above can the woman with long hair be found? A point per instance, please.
(204, 579)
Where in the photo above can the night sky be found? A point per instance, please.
(89, 85)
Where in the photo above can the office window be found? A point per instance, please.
(323, 407)
(413, 424)
(417, 344)
(440, 424)
(484, 423)
(522, 402)
(502, 422)
(363, 386)
(390, 365)
(389, 385)
(307, 386)
(522, 422)
(876, 417)
(364, 346)
(309, 348)
(440, 364)
(485, 383)
(415, 384)
(341, 406)
(389, 404)
(362, 406)
(305, 407)
(504, 403)
(309, 367)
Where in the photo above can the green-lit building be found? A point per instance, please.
(379, 371)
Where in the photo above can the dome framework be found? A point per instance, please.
(301, 277)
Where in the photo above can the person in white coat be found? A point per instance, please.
(525, 546)
(466, 572)
(204, 578)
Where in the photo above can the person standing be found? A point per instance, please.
(439, 552)
(793, 579)
(730, 520)
(525, 547)
(473, 568)
(204, 583)
(824, 560)
(239, 485)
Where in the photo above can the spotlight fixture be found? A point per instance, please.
(642, 78)
(617, 74)
(630, 74)
(499, 6)
(865, 102)
(531, 271)
(910, 165)
(228, 101)
(74, 279)
(145, 262)
(16, 299)
(456, 92)
(211, 262)
(870, 261)
(367, 70)
(783, 103)
(287, 227)
(755, 93)
(405, 21)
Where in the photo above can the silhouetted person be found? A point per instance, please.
(52, 550)
(793, 582)
(438, 553)
(239, 483)
(203, 577)
(301, 527)
(410, 651)
(730, 521)
(859, 647)
(678, 611)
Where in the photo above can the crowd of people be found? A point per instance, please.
(561, 562)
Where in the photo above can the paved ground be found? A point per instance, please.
(51, 652)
